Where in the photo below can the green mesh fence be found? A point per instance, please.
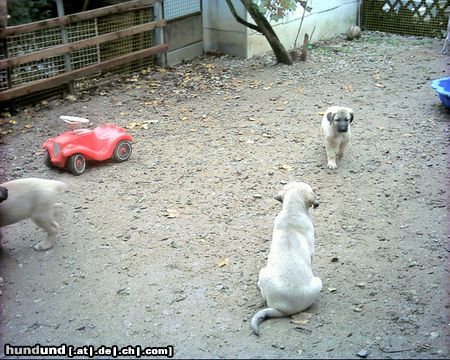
(406, 17)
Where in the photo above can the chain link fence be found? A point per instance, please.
(406, 17)
(178, 8)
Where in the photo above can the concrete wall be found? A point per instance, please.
(185, 39)
(221, 31)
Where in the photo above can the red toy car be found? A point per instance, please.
(73, 148)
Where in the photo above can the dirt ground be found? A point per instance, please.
(165, 249)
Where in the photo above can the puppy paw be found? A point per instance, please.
(43, 246)
(331, 165)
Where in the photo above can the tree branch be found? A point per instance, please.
(241, 20)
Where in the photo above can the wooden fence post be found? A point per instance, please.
(68, 64)
(4, 77)
(158, 14)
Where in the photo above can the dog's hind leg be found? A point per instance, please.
(260, 289)
(49, 225)
(316, 285)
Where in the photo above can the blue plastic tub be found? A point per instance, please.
(442, 86)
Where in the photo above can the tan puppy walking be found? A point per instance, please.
(337, 132)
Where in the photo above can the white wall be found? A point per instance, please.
(221, 31)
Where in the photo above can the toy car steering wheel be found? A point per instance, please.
(73, 120)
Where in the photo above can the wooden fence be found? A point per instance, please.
(54, 52)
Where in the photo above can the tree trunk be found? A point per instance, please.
(264, 27)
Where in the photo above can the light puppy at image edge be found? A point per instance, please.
(35, 199)
(287, 283)
(337, 133)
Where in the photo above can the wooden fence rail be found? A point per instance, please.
(74, 18)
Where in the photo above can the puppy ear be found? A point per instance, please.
(315, 203)
(279, 198)
(330, 117)
(351, 115)
(3, 193)
(312, 200)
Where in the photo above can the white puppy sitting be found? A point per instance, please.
(336, 130)
(31, 198)
(287, 282)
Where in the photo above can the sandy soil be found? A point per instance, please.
(165, 249)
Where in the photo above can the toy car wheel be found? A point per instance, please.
(122, 151)
(77, 164)
(48, 160)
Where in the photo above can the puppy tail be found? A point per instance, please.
(262, 315)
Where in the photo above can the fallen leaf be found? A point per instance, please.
(132, 125)
(301, 318)
(285, 167)
(332, 289)
(362, 353)
(379, 85)
(171, 214)
(223, 262)
(348, 88)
